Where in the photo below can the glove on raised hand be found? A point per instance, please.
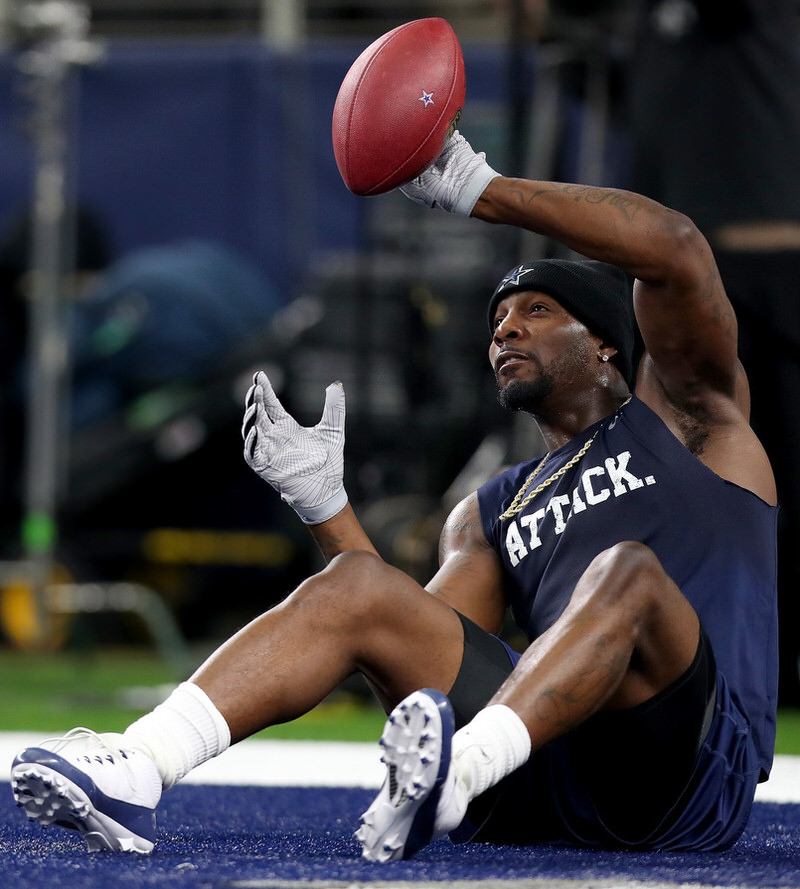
(305, 465)
(456, 180)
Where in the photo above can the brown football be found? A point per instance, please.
(398, 105)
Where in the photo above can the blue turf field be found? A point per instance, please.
(217, 836)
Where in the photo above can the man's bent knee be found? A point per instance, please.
(356, 587)
(627, 573)
(627, 587)
(627, 555)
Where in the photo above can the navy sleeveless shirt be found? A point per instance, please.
(636, 481)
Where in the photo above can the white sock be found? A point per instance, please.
(182, 732)
(491, 746)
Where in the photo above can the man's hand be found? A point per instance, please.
(456, 180)
(305, 465)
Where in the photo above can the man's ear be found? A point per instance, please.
(605, 352)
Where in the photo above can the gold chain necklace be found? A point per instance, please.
(518, 504)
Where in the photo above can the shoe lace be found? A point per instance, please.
(101, 750)
(72, 734)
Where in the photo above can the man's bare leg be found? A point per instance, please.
(358, 614)
(626, 635)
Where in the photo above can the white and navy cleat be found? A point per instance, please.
(416, 744)
(92, 784)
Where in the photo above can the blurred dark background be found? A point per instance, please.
(170, 201)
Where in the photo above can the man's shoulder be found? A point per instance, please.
(715, 431)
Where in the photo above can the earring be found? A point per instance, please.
(604, 358)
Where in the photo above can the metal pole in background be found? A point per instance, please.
(283, 22)
(51, 37)
(55, 36)
(6, 15)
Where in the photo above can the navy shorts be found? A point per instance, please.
(678, 772)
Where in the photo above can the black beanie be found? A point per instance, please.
(599, 295)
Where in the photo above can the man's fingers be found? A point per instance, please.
(265, 395)
(248, 399)
(333, 412)
(249, 421)
(250, 444)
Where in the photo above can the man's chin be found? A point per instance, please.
(523, 395)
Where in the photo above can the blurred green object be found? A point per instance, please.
(54, 691)
(106, 689)
(788, 740)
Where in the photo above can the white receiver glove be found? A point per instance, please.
(305, 465)
(456, 180)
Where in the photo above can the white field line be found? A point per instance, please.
(339, 764)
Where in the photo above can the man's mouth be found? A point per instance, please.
(507, 360)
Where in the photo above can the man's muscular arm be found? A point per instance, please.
(686, 320)
(690, 374)
(341, 534)
(470, 578)
(687, 323)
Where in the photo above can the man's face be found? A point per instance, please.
(537, 349)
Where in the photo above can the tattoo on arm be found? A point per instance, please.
(466, 526)
(458, 529)
(626, 204)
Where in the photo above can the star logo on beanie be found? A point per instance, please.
(514, 275)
